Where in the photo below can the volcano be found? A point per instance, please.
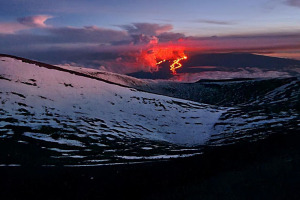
(225, 62)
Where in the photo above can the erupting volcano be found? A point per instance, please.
(175, 54)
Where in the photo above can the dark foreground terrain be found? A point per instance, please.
(265, 169)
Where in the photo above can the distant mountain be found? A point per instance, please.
(228, 62)
(233, 61)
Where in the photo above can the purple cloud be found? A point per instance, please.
(170, 36)
(37, 21)
(146, 28)
(214, 22)
(145, 39)
(10, 28)
(34, 21)
(88, 34)
(293, 3)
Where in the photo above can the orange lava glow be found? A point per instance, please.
(158, 63)
(176, 64)
(169, 53)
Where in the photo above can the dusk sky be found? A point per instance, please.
(103, 34)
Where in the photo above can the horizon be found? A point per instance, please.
(124, 37)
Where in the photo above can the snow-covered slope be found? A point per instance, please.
(60, 110)
(109, 76)
(65, 116)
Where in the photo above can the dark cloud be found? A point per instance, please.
(144, 39)
(284, 35)
(66, 38)
(88, 34)
(259, 43)
(293, 3)
(146, 33)
(146, 28)
(170, 36)
(122, 42)
(214, 22)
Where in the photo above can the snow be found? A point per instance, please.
(44, 137)
(159, 156)
(61, 99)
(109, 76)
(92, 122)
(10, 165)
(242, 73)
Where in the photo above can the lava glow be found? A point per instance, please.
(176, 64)
(160, 62)
(170, 53)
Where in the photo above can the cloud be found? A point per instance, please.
(214, 22)
(144, 39)
(34, 21)
(146, 28)
(170, 36)
(10, 28)
(127, 50)
(37, 21)
(146, 33)
(84, 47)
(245, 43)
(88, 34)
(60, 37)
(293, 3)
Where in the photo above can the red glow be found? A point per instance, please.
(163, 54)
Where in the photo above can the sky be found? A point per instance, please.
(120, 36)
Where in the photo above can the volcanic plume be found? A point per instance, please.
(169, 53)
(145, 53)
